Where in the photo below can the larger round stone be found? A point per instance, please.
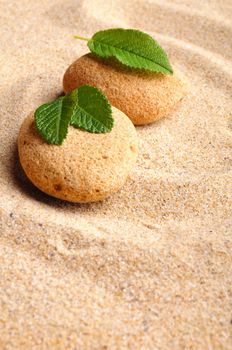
(143, 96)
(87, 167)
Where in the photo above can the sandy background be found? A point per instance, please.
(149, 268)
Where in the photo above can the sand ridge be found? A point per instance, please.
(150, 267)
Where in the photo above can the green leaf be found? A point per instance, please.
(132, 48)
(85, 107)
(93, 112)
(52, 119)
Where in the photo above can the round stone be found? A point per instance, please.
(87, 167)
(143, 96)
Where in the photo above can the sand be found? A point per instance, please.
(150, 267)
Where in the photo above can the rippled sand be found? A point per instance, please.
(149, 268)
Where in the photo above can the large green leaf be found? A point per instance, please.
(131, 47)
(93, 112)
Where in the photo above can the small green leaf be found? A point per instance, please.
(85, 107)
(132, 48)
(50, 122)
(93, 112)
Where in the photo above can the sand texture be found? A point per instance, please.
(150, 267)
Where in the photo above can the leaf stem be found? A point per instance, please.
(81, 37)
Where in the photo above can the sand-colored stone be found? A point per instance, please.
(145, 97)
(151, 266)
(87, 167)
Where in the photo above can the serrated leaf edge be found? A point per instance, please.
(42, 131)
(108, 105)
(168, 70)
(104, 129)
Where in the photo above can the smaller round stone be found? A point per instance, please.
(143, 96)
(87, 167)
